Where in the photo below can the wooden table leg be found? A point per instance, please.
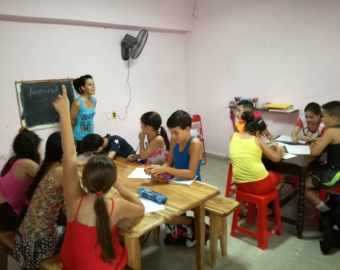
(156, 233)
(224, 236)
(214, 235)
(200, 235)
(3, 256)
(132, 246)
(301, 203)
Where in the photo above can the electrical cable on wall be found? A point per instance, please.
(193, 12)
(128, 83)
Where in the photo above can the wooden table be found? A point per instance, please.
(180, 200)
(300, 166)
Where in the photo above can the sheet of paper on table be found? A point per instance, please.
(298, 149)
(288, 156)
(151, 206)
(139, 173)
(181, 181)
(285, 138)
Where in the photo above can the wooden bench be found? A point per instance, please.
(218, 208)
(6, 248)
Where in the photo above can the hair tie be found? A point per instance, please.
(21, 130)
(259, 121)
(99, 192)
(27, 202)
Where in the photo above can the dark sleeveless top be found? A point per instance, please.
(333, 156)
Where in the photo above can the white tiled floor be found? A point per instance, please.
(283, 253)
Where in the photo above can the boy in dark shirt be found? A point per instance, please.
(111, 145)
(327, 175)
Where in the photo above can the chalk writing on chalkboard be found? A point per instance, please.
(35, 100)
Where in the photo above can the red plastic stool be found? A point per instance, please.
(261, 203)
(230, 183)
(323, 195)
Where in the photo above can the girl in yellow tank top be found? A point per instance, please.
(246, 150)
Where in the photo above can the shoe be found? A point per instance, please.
(191, 241)
(333, 200)
(169, 229)
(177, 237)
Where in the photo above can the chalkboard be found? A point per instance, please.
(35, 99)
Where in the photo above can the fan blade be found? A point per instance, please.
(141, 40)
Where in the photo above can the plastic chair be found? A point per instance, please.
(323, 195)
(230, 183)
(258, 203)
(197, 123)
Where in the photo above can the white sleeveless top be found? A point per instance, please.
(159, 157)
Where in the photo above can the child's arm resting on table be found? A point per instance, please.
(130, 206)
(307, 139)
(295, 133)
(71, 185)
(318, 148)
(195, 152)
(111, 154)
(274, 156)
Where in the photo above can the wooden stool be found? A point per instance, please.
(218, 208)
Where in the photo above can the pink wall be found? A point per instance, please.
(280, 51)
(40, 51)
(163, 14)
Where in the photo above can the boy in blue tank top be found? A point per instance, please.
(185, 157)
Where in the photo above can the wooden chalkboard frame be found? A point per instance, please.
(18, 90)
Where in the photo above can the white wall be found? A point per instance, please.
(39, 51)
(280, 51)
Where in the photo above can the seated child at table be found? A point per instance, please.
(91, 240)
(17, 175)
(185, 157)
(310, 124)
(155, 149)
(38, 236)
(113, 146)
(327, 175)
(246, 150)
(247, 106)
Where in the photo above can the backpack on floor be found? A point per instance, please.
(330, 225)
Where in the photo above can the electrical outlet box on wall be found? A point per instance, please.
(108, 115)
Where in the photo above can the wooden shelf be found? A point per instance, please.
(266, 110)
